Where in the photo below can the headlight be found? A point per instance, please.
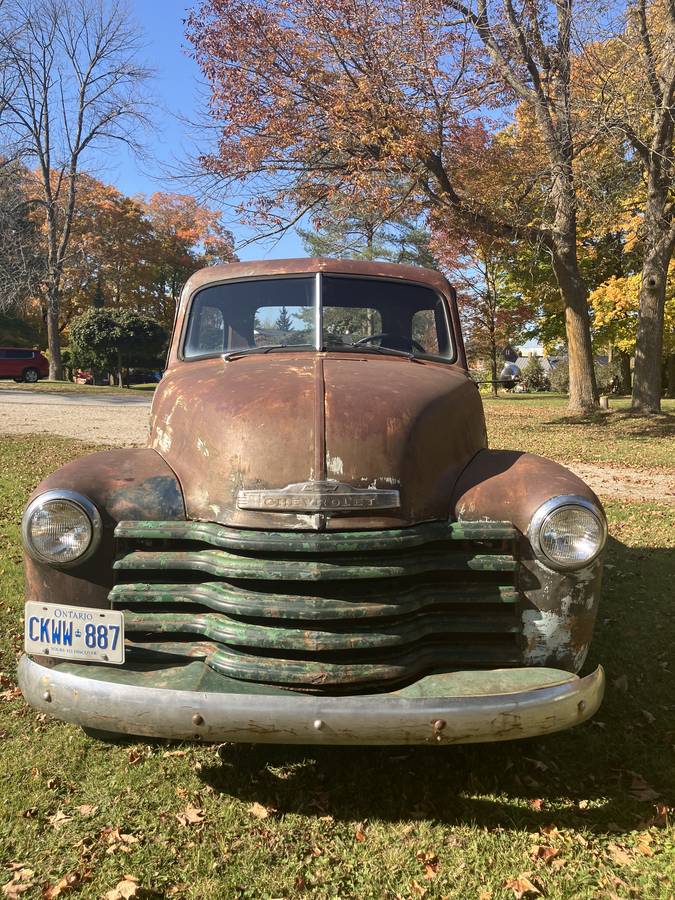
(568, 532)
(61, 528)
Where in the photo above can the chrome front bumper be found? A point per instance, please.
(291, 718)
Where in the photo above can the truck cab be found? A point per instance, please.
(317, 544)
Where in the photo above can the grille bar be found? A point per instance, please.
(365, 604)
(228, 565)
(227, 538)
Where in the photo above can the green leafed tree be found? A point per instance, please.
(114, 340)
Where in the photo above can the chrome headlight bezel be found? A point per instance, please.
(551, 506)
(83, 504)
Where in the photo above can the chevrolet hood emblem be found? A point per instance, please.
(317, 497)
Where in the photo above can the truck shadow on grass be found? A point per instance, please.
(609, 774)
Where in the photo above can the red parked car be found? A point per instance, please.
(23, 364)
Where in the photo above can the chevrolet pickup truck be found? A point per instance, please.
(317, 544)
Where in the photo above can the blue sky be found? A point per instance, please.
(176, 89)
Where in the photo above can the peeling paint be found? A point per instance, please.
(334, 465)
(547, 635)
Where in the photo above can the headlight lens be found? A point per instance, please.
(569, 532)
(61, 528)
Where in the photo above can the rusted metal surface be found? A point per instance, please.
(510, 485)
(380, 422)
(476, 706)
(559, 608)
(134, 483)
(267, 422)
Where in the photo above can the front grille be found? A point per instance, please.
(332, 612)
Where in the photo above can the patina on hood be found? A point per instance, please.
(267, 421)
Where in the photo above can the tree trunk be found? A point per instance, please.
(649, 342)
(53, 335)
(120, 376)
(583, 390)
(624, 362)
(493, 368)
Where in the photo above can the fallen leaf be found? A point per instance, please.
(359, 832)
(21, 881)
(583, 804)
(174, 753)
(545, 853)
(87, 809)
(660, 819)
(59, 818)
(429, 862)
(124, 889)
(619, 855)
(191, 815)
(258, 810)
(63, 885)
(485, 895)
(536, 804)
(645, 849)
(522, 886)
(134, 756)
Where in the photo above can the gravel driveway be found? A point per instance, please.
(122, 421)
(100, 419)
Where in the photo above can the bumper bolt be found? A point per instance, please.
(197, 719)
(318, 724)
(581, 705)
(47, 697)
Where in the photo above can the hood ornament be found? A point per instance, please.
(317, 497)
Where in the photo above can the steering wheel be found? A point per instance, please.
(411, 342)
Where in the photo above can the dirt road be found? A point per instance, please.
(122, 420)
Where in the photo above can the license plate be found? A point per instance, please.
(73, 632)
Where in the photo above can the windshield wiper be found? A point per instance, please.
(246, 351)
(369, 348)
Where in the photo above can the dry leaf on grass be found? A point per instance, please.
(547, 854)
(536, 804)
(123, 890)
(429, 862)
(68, 883)
(620, 856)
(21, 881)
(259, 811)
(59, 818)
(87, 809)
(191, 815)
(360, 832)
(522, 886)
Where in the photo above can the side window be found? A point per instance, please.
(424, 330)
(3, 354)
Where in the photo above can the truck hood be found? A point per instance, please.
(385, 436)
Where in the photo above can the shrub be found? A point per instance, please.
(533, 377)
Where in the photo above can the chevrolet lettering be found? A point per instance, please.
(317, 545)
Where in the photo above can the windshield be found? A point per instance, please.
(357, 314)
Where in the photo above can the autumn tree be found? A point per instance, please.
(71, 84)
(318, 98)
(631, 90)
(494, 316)
(21, 262)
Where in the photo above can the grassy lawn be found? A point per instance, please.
(70, 388)
(581, 814)
(539, 423)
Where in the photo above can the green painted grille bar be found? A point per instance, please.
(224, 630)
(321, 542)
(366, 603)
(227, 565)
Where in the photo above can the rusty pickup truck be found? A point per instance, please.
(317, 544)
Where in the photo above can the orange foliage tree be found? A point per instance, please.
(324, 98)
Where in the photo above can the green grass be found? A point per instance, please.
(70, 388)
(359, 822)
(539, 423)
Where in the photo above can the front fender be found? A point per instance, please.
(559, 608)
(123, 484)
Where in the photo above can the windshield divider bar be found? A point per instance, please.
(318, 313)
